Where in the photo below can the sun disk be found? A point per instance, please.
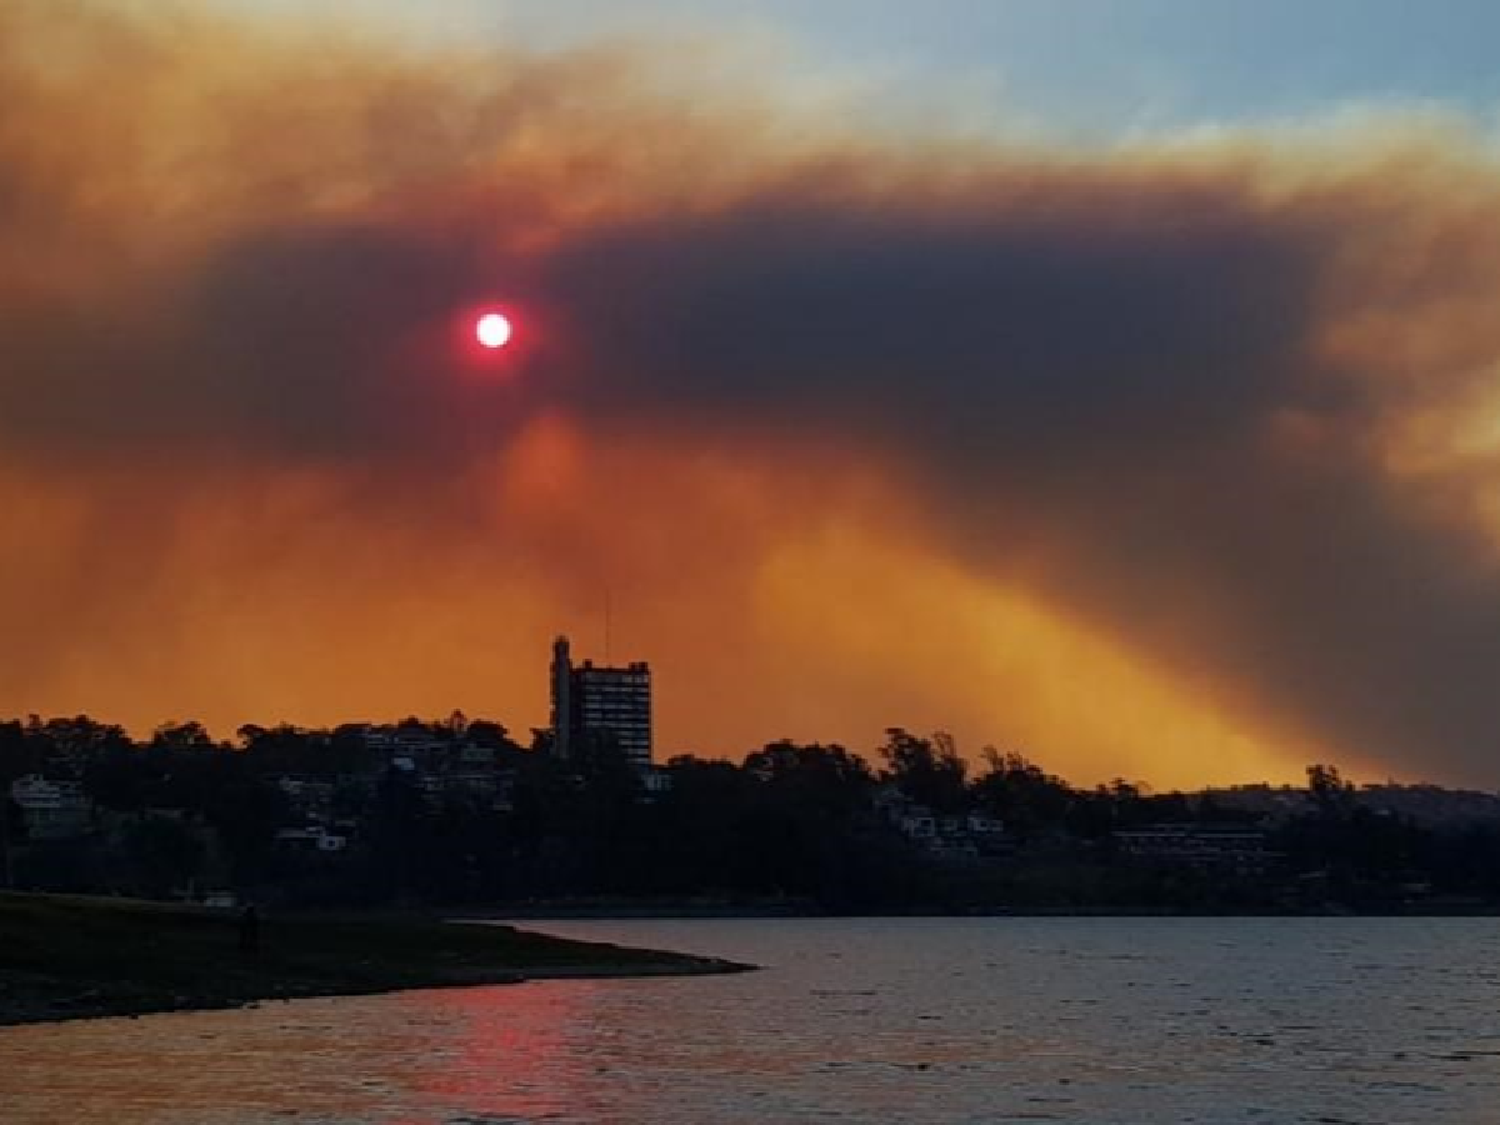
(493, 330)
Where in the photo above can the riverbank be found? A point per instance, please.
(65, 957)
(607, 908)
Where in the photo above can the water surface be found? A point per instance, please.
(909, 1020)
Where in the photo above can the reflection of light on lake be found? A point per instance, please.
(517, 1050)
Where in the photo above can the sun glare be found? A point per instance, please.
(493, 330)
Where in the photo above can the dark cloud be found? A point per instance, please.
(993, 321)
(1090, 383)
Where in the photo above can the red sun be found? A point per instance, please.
(493, 330)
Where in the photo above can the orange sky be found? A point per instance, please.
(1169, 463)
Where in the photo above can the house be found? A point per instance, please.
(969, 835)
(1228, 849)
(52, 810)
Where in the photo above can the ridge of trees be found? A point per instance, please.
(815, 824)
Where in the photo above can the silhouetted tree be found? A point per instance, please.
(1023, 795)
(1330, 793)
(163, 852)
(826, 778)
(928, 771)
(190, 735)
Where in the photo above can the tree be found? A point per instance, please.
(12, 835)
(19, 754)
(191, 735)
(928, 771)
(122, 779)
(164, 853)
(1333, 796)
(1022, 794)
(826, 778)
(492, 736)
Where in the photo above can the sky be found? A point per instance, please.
(1113, 382)
(1088, 69)
(1099, 67)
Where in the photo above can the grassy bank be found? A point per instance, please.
(66, 957)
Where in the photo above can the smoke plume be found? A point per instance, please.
(1174, 460)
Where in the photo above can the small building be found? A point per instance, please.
(919, 825)
(307, 798)
(969, 835)
(52, 810)
(1229, 849)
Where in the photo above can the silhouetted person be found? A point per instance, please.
(249, 929)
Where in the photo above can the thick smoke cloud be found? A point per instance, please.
(1219, 404)
(1095, 384)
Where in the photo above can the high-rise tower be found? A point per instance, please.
(562, 698)
(593, 703)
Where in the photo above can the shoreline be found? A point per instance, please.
(65, 958)
(648, 912)
(76, 1009)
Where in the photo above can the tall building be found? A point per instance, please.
(594, 703)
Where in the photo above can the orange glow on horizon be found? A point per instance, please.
(820, 621)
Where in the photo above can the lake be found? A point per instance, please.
(1326, 1020)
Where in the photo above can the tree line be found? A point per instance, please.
(471, 816)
